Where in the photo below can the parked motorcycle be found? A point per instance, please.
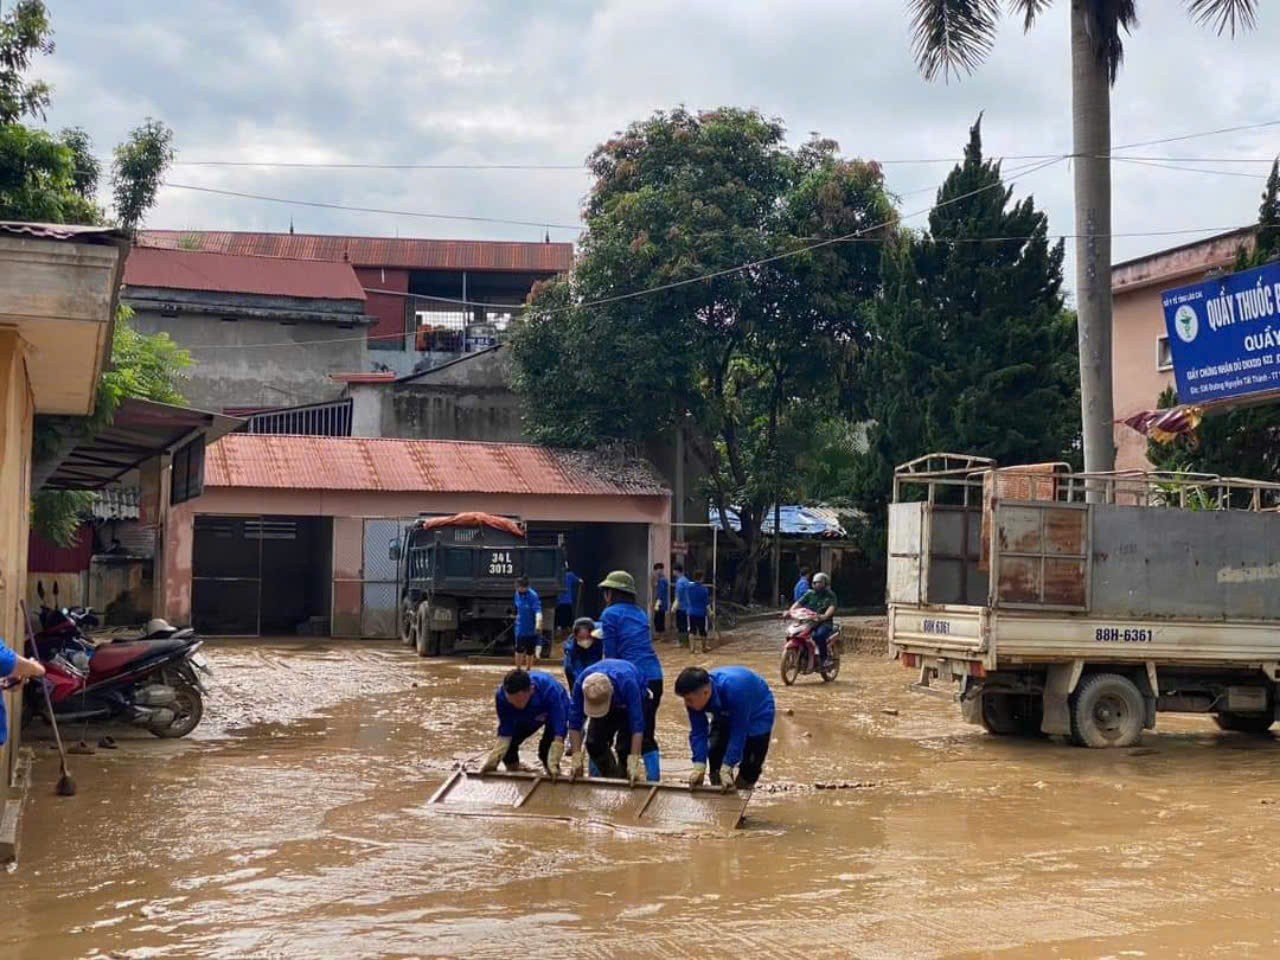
(800, 652)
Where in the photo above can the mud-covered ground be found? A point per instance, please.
(294, 824)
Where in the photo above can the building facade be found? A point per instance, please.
(1142, 366)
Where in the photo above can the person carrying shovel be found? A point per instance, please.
(611, 694)
(529, 701)
(735, 741)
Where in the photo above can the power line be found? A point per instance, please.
(1218, 173)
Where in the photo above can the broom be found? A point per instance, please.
(66, 786)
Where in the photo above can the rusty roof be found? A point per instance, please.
(411, 254)
(225, 273)
(270, 461)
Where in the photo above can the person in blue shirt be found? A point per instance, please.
(681, 605)
(802, 585)
(661, 598)
(14, 670)
(581, 649)
(529, 701)
(612, 695)
(736, 740)
(624, 628)
(528, 623)
(699, 600)
(567, 602)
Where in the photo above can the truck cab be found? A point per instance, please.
(459, 575)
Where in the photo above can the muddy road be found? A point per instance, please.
(294, 824)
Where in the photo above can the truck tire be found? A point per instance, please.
(422, 635)
(408, 624)
(1012, 714)
(1107, 711)
(1255, 723)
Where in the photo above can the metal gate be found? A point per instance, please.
(226, 576)
(366, 576)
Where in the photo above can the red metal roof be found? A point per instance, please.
(269, 461)
(408, 254)
(223, 273)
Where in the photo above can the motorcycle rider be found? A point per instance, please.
(822, 601)
(741, 705)
(528, 701)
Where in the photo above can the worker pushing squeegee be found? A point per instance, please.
(611, 695)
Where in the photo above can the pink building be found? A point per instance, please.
(299, 534)
(1142, 367)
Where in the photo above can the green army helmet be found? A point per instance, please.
(619, 580)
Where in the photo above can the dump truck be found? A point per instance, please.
(1055, 602)
(458, 576)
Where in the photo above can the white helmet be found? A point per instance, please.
(821, 580)
(159, 625)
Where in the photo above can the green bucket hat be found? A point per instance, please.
(619, 580)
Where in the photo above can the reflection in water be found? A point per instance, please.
(296, 826)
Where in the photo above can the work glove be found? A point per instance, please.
(537, 622)
(577, 765)
(635, 768)
(697, 774)
(554, 756)
(675, 606)
(728, 779)
(500, 748)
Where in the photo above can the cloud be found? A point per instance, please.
(504, 82)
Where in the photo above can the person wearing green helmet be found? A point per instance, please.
(626, 635)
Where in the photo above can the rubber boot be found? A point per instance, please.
(651, 767)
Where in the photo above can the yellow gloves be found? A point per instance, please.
(635, 768)
(554, 756)
(577, 764)
(500, 748)
(697, 775)
(537, 621)
(728, 779)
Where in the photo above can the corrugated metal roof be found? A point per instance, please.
(117, 503)
(409, 254)
(266, 461)
(224, 273)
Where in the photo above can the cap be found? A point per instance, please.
(597, 695)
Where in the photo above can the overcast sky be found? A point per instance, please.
(421, 81)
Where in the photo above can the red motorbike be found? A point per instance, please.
(800, 652)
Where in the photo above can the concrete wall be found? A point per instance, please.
(468, 399)
(17, 409)
(261, 361)
(235, 501)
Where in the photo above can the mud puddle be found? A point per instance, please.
(298, 827)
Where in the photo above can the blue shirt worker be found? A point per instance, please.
(529, 701)
(736, 740)
(612, 695)
(624, 628)
(528, 623)
(802, 586)
(13, 671)
(699, 601)
(679, 607)
(661, 597)
(567, 601)
(582, 649)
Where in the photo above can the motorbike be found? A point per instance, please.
(151, 681)
(800, 652)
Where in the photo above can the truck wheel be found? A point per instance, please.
(1107, 711)
(408, 625)
(999, 717)
(422, 632)
(1255, 723)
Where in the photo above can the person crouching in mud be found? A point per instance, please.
(610, 694)
(624, 630)
(738, 739)
(529, 701)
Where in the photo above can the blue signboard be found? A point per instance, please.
(1225, 335)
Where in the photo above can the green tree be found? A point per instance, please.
(1244, 442)
(951, 36)
(746, 359)
(55, 180)
(972, 350)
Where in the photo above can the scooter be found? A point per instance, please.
(800, 652)
(150, 683)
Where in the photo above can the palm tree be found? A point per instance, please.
(954, 36)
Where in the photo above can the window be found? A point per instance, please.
(1164, 355)
(188, 472)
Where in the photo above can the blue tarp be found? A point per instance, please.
(797, 521)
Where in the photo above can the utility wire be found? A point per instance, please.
(1216, 173)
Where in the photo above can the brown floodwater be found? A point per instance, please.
(295, 824)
